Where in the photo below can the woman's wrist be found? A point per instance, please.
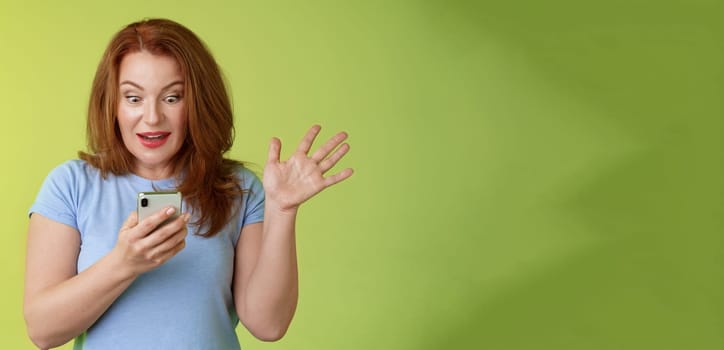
(120, 269)
(275, 208)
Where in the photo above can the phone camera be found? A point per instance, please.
(144, 202)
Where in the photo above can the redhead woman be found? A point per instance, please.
(160, 119)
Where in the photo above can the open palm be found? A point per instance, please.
(290, 183)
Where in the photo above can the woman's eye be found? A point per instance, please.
(133, 99)
(172, 99)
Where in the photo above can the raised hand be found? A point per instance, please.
(290, 183)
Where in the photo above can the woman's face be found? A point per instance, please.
(151, 112)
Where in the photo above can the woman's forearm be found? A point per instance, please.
(61, 312)
(272, 292)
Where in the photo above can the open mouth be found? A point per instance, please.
(153, 139)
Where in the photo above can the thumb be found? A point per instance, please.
(130, 222)
(275, 147)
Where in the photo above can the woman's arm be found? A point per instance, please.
(265, 285)
(59, 303)
(265, 274)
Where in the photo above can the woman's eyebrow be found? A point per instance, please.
(172, 84)
(141, 88)
(132, 83)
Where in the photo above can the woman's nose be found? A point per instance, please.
(152, 115)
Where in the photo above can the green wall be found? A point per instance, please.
(529, 174)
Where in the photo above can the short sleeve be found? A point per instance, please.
(55, 200)
(254, 198)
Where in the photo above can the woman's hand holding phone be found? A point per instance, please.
(145, 245)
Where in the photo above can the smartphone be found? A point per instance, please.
(150, 203)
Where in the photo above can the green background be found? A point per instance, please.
(529, 174)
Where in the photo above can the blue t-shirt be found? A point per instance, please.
(187, 302)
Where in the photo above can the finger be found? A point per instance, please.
(275, 148)
(308, 139)
(329, 146)
(165, 232)
(330, 162)
(169, 245)
(166, 255)
(338, 177)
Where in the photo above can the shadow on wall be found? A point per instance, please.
(652, 283)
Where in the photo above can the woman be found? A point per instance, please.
(159, 118)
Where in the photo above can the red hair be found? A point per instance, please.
(209, 183)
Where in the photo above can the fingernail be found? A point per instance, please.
(170, 210)
(186, 217)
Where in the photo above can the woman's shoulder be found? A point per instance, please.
(243, 170)
(76, 167)
(74, 170)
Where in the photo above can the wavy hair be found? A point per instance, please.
(207, 179)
